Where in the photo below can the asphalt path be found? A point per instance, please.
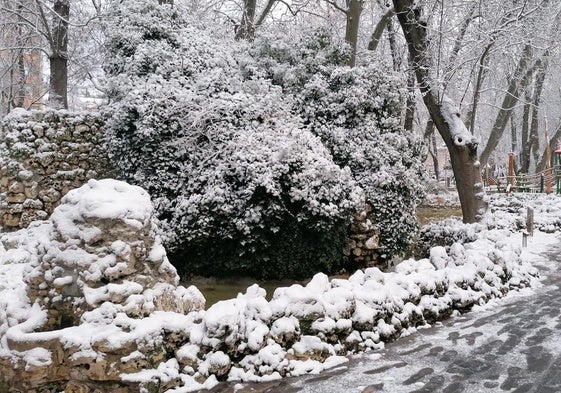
(513, 346)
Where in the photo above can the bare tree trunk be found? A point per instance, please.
(20, 95)
(520, 77)
(435, 159)
(538, 91)
(58, 60)
(461, 145)
(379, 29)
(246, 30)
(8, 96)
(354, 9)
(394, 48)
(430, 139)
(513, 134)
(411, 102)
(525, 148)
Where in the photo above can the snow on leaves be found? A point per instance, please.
(237, 142)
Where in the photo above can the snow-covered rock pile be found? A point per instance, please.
(43, 155)
(93, 270)
(89, 297)
(307, 328)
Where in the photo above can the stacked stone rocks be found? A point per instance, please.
(96, 272)
(43, 155)
(364, 245)
(98, 308)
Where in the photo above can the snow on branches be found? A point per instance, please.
(460, 134)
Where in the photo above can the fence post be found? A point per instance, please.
(542, 182)
(530, 221)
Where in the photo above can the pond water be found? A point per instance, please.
(216, 289)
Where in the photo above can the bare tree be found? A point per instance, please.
(48, 19)
(446, 116)
(515, 86)
(56, 34)
(54, 27)
(249, 23)
(20, 60)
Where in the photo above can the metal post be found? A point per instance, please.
(542, 182)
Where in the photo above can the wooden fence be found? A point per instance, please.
(545, 181)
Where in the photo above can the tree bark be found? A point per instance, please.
(411, 102)
(513, 135)
(379, 29)
(58, 82)
(461, 145)
(525, 148)
(354, 10)
(20, 96)
(58, 60)
(430, 139)
(246, 30)
(534, 125)
(248, 25)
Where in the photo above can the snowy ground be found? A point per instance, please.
(308, 329)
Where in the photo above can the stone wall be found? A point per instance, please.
(43, 155)
(365, 242)
(89, 303)
(96, 277)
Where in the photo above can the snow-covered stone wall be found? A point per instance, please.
(43, 155)
(88, 299)
(94, 264)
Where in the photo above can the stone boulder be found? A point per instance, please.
(101, 298)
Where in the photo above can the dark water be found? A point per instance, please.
(216, 289)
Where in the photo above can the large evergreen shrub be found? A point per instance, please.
(357, 115)
(241, 184)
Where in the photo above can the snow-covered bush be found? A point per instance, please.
(357, 115)
(445, 233)
(506, 212)
(241, 185)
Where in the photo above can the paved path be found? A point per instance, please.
(513, 347)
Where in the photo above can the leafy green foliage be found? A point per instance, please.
(240, 183)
